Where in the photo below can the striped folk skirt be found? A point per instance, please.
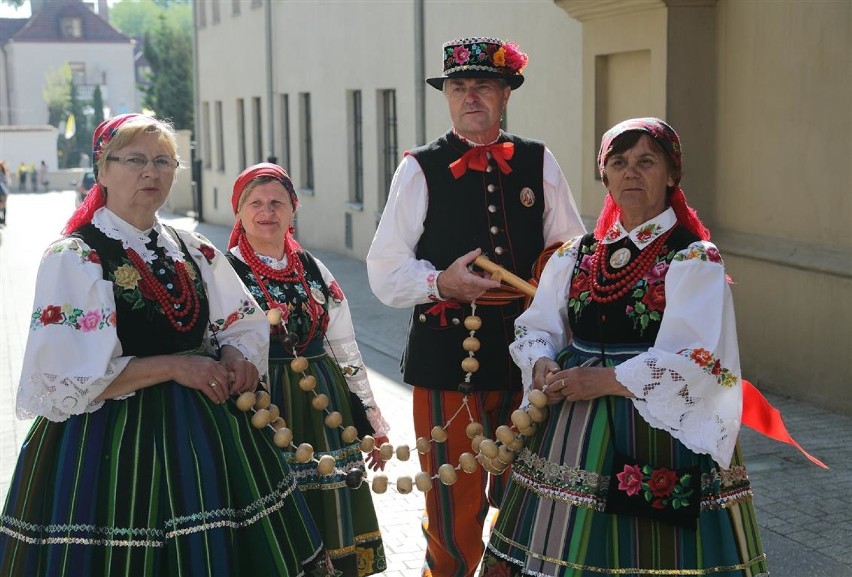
(162, 483)
(346, 517)
(552, 521)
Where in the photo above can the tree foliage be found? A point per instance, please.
(169, 51)
(166, 29)
(15, 3)
(57, 93)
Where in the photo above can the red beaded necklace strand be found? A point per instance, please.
(176, 308)
(292, 272)
(624, 279)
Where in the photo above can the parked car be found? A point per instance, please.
(83, 185)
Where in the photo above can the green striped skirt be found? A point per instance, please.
(552, 522)
(162, 483)
(346, 517)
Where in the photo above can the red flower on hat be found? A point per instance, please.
(515, 59)
(461, 54)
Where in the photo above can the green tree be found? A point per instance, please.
(136, 18)
(98, 105)
(15, 3)
(57, 93)
(169, 51)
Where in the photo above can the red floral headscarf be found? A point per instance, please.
(260, 170)
(667, 138)
(95, 198)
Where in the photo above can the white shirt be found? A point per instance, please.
(70, 362)
(674, 382)
(398, 278)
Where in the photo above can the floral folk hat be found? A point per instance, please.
(482, 58)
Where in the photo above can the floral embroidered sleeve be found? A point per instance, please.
(688, 383)
(543, 330)
(341, 345)
(235, 317)
(72, 352)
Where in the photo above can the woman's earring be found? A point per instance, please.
(292, 229)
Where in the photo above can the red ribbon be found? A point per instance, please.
(476, 158)
(440, 309)
(760, 415)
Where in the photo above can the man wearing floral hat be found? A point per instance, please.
(475, 190)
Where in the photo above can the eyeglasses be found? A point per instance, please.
(138, 163)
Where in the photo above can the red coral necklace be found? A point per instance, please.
(625, 279)
(293, 272)
(178, 308)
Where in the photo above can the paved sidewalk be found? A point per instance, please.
(805, 513)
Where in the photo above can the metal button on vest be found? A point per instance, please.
(495, 230)
(499, 250)
(492, 208)
(489, 168)
(491, 188)
(422, 318)
(456, 320)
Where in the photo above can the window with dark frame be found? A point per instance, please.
(306, 165)
(257, 116)
(356, 149)
(208, 135)
(389, 147)
(220, 138)
(285, 133)
(241, 133)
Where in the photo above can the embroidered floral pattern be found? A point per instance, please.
(566, 248)
(126, 276)
(432, 286)
(245, 308)
(336, 292)
(66, 315)
(660, 487)
(710, 365)
(700, 251)
(579, 293)
(649, 295)
(648, 232)
(485, 53)
(208, 251)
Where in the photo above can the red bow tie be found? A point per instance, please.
(476, 158)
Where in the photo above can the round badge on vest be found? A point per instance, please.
(527, 197)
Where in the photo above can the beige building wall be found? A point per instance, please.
(328, 49)
(761, 95)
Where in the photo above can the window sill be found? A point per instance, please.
(355, 206)
(306, 192)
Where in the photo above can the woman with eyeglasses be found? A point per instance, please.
(139, 461)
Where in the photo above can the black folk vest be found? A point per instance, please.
(142, 327)
(499, 213)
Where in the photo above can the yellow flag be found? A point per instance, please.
(70, 127)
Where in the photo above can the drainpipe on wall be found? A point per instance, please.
(419, 72)
(197, 202)
(270, 105)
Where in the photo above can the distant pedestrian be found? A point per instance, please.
(22, 177)
(33, 172)
(4, 191)
(42, 175)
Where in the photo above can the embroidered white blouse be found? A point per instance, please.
(398, 278)
(72, 358)
(341, 345)
(689, 382)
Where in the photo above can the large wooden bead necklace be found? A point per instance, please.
(616, 285)
(182, 310)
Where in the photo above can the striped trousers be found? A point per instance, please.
(455, 514)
